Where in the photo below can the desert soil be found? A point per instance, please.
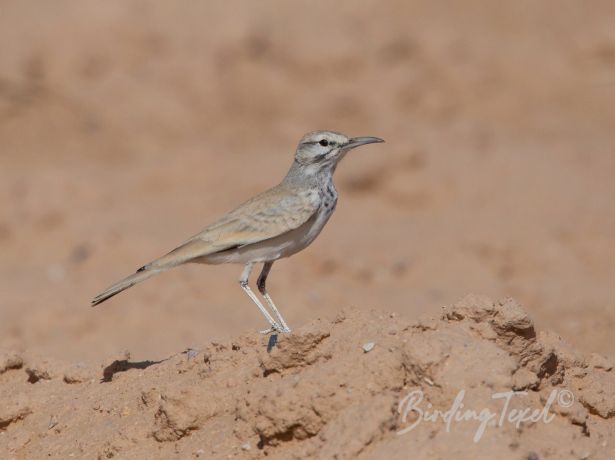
(345, 389)
(125, 127)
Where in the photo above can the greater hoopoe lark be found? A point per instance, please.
(277, 223)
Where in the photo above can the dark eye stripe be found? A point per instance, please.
(331, 143)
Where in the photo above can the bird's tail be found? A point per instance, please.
(141, 275)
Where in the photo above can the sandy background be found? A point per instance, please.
(126, 126)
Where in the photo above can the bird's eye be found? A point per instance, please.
(324, 142)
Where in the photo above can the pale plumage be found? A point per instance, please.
(274, 224)
(267, 215)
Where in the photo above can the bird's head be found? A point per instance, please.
(320, 150)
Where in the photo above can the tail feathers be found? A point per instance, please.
(127, 282)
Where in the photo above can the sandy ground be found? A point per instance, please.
(357, 387)
(126, 126)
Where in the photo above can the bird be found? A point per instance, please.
(272, 225)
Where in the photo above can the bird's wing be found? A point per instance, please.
(270, 214)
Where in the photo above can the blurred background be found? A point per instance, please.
(127, 126)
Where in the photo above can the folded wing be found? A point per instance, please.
(270, 214)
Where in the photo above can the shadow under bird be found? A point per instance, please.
(277, 223)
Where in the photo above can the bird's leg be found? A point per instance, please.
(243, 282)
(261, 283)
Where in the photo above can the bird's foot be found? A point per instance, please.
(271, 330)
(275, 329)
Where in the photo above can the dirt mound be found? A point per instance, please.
(366, 384)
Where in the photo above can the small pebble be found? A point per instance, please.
(532, 456)
(367, 347)
(191, 353)
(53, 421)
(246, 446)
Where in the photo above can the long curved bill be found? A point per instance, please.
(357, 141)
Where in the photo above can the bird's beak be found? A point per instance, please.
(357, 141)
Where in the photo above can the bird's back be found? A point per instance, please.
(268, 215)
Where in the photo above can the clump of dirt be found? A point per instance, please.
(368, 385)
